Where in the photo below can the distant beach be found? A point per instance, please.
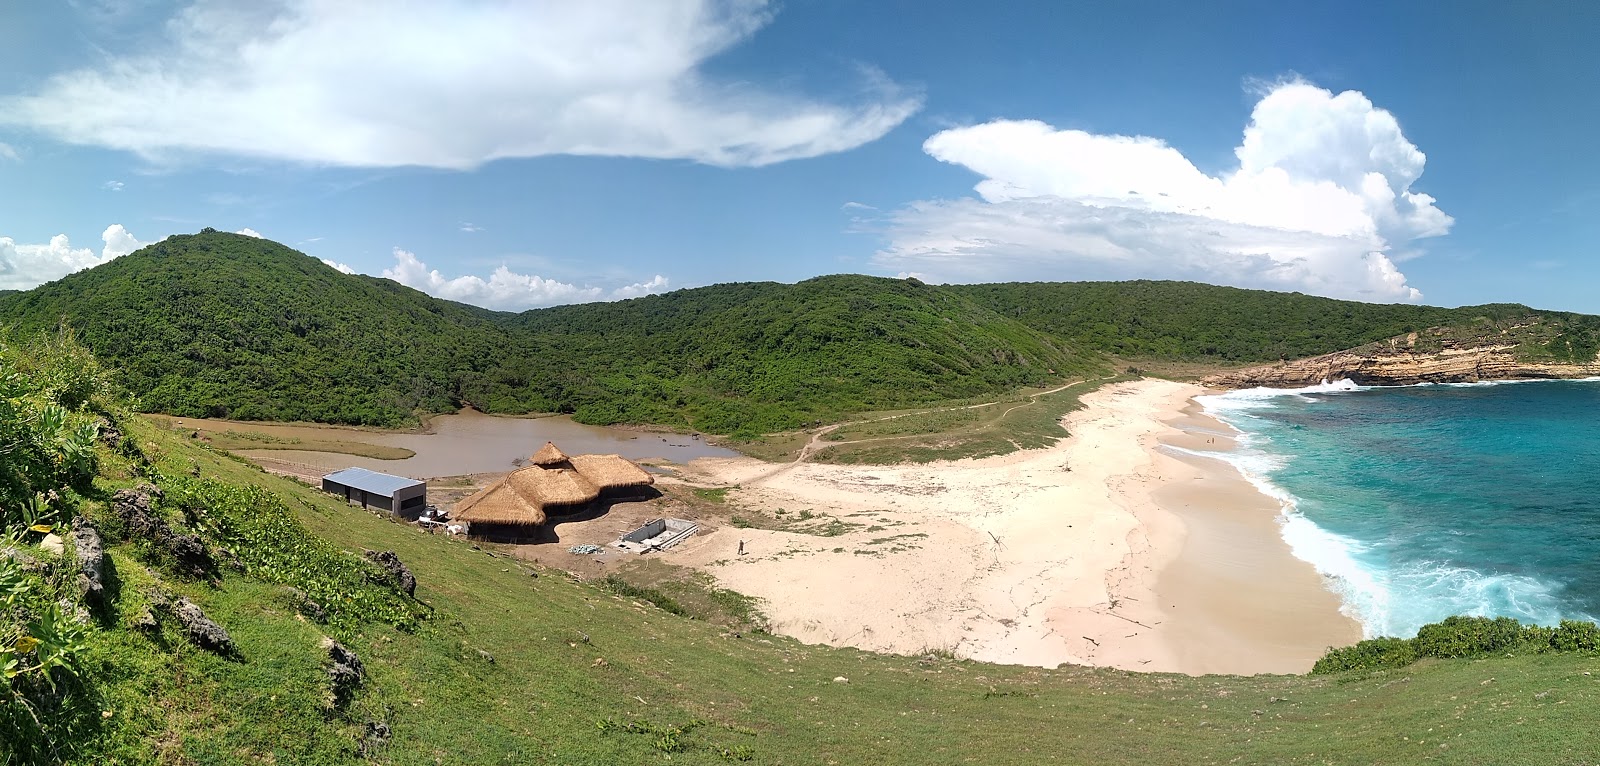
(1116, 547)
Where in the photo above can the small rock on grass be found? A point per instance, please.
(91, 557)
(345, 673)
(201, 630)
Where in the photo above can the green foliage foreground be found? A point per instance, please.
(496, 662)
(1463, 637)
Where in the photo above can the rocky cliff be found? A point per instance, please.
(1440, 357)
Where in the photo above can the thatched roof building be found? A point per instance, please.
(551, 483)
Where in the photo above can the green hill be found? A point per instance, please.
(224, 325)
(1192, 321)
(217, 324)
(742, 357)
(494, 662)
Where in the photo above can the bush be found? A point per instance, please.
(626, 589)
(1468, 636)
(1458, 637)
(1575, 636)
(1372, 654)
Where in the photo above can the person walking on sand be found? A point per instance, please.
(741, 547)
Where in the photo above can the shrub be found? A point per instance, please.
(626, 589)
(1575, 636)
(1372, 654)
(1468, 636)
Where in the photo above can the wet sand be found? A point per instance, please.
(468, 442)
(1106, 549)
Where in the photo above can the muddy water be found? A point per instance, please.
(470, 442)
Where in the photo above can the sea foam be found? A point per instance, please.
(1387, 596)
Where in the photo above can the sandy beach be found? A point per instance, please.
(1106, 549)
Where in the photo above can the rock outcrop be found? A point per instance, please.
(142, 522)
(345, 672)
(91, 556)
(200, 628)
(398, 572)
(1399, 362)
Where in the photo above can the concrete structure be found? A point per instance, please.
(657, 535)
(396, 494)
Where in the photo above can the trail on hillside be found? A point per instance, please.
(817, 444)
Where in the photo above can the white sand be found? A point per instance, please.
(1040, 557)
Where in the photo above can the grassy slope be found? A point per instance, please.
(541, 698)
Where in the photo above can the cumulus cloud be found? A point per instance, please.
(115, 186)
(337, 266)
(506, 290)
(25, 266)
(451, 85)
(1320, 196)
(249, 232)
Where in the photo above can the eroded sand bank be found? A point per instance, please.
(1103, 550)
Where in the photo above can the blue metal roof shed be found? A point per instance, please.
(371, 489)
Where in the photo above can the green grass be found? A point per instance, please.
(1026, 420)
(501, 663)
(246, 440)
(547, 697)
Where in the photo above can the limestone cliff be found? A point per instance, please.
(1437, 355)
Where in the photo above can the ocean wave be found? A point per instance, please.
(1363, 595)
(1246, 399)
(1387, 597)
(1429, 591)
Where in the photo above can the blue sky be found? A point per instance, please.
(608, 149)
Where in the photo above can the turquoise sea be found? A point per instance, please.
(1420, 502)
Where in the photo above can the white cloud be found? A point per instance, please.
(249, 232)
(9, 152)
(339, 267)
(24, 266)
(657, 284)
(470, 228)
(115, 186)
(451, 85)
(1321, 194)
(506, 290)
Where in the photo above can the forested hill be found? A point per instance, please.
(227, 325)
(218, 324)
(221, 324)
(1193, 321)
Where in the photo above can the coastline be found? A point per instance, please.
(1106, 549)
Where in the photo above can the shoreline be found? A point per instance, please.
(1105, 549)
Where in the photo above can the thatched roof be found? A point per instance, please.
(499, 503)
(552, 480)
(548, 455)
(612, 471)
(553, 486)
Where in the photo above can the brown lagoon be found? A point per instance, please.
(464, 443)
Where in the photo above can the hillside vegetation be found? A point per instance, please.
(224, 325)
(1188, 320)
(492, 662)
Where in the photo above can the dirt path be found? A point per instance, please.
(816, 443)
